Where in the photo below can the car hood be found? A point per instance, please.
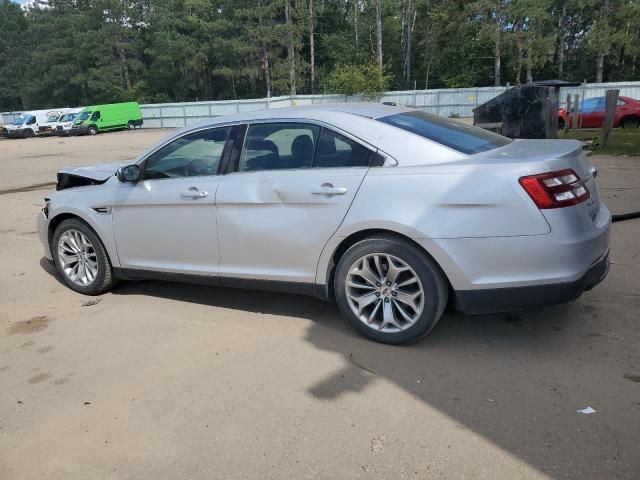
(99, 171)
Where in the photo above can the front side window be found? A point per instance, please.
(456, 135)
(277, 146)
(194, 155)
(31, 121)
(95, 116)
(335, 150)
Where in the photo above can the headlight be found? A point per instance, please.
(68, 125)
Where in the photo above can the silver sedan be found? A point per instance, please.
(392, 212)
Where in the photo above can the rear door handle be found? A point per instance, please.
(194, 193)
(328, 189)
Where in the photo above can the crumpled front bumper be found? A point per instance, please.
(43, 233)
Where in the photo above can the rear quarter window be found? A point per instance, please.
(450, 133)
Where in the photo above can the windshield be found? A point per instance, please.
(83, 115)
(457, 135)
(22, 119)
(68, 117)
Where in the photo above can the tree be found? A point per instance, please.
(363, 79)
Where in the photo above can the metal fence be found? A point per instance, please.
(447, 102)
(458, 102)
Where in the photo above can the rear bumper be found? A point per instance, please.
(505, 299)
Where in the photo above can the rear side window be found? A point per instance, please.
(456, 135)
(335, 150)
(277, 146)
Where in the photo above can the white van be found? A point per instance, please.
(37, 122)
(64, 123)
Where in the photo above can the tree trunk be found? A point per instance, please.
(408, 23)
(496, 62)
(561, 42)
(599, 66)
(265, 57)
(125, 69)
(601, 50)
(379, 34)
(355, 20)
(312, 46)
(530, 61)
(291, 57)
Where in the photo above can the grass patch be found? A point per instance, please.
(622, 141)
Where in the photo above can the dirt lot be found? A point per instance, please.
(169, 381)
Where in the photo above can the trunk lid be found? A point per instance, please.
(541, 156)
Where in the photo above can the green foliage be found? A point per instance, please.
(78, 52)
(358, 79)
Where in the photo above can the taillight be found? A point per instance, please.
(555, 189)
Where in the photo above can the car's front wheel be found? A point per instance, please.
(81, 258)
(390, 290)
(92, 130)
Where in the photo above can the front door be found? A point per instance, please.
(167, 221)
(292, 187)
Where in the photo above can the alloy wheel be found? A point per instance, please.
(384, 292)
(78, 258)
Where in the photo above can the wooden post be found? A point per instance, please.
(609, 115)
(551, 114)
(576, 108)
(568, 116)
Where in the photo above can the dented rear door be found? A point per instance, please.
(273, 224)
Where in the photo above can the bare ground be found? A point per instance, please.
(171, 381)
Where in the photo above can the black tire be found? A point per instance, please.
(630, 122)
(105, 279)
(560, 124)
(28, 133)
(428, 272)
(92, 130)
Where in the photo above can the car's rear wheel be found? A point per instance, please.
(631, 122)
(81, 258)
(390, 290)
(131, 125)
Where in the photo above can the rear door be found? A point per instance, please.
(287, 193)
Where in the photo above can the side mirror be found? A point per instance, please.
(130, 173)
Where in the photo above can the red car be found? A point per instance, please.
(592, 113)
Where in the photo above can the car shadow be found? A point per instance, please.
(516, 379)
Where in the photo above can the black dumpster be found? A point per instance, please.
(525, 111)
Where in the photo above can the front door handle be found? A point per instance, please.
(194, 193)
(328, 189)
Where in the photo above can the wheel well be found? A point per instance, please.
(58, 219)
(629, 117)
(354, 238)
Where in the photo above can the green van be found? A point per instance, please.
(106, 118)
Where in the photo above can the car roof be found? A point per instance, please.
(355, 119)
(309, 112)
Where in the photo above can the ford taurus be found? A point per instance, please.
(392, 212)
